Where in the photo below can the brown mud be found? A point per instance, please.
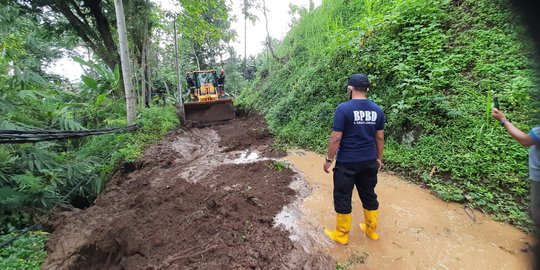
(214, 198)
(203, 198)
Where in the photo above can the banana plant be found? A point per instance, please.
(99, 78)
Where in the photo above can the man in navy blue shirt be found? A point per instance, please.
(358, 132)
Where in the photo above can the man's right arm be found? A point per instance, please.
(379, 135)
(518, 135)
(335, 138)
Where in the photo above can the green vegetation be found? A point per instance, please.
(25, 253)
(435, 66)
(278, 165)
(33, 34)
(36, 176)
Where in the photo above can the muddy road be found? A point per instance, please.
(417, 230)
(203, 198)
(215, 198)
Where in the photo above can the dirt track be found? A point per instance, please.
(200, 199)
(212, 198)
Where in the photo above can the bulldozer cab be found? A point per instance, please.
(206, 85)
(207, 106)
(205, 77)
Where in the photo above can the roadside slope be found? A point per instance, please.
(435, 66)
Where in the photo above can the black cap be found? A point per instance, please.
(359, 80)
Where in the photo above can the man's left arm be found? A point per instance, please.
(379, 138)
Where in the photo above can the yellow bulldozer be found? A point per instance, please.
(208, 101)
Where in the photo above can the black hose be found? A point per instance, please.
(29, 136)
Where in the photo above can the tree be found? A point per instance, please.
(247, 6)
(297, 12)
(87, 19)
(91, 21)
(268, 38)
(124, 54)
(142, 16)
(205, 26)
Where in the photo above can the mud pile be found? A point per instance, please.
(200, 199)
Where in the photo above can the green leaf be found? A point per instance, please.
(90, 82)
(116, 73)
(28, 182)
(100, 99)
(82, 62)
(24, 94)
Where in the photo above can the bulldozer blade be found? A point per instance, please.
(208, 112)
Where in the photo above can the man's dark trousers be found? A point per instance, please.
(363, 175)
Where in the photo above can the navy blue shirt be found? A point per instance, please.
(359, 120)
(534, 155)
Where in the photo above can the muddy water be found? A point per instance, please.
(417, 230)
(196, 162)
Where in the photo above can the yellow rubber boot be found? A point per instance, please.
(343, 226)
(371, 224)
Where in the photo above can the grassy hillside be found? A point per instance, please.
(435, 66)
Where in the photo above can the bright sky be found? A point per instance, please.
(278, 25)
(278, 22)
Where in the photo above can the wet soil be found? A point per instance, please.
(417, 230)
(214, 198)
(203, 198)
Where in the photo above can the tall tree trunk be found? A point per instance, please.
(144, 62)
(124, 56)
(181, 108)
(143, 73)
(137, 89)
(166, 87)
(147, 74)
(245, 46)
(268, 39)
(196, 58)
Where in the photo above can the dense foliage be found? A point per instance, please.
(435, 66)
(33, 34)
(25, 253)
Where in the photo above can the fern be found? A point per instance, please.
(11, 199)
(28, 182)
(38, 158)
(6, 162)
(63, 120)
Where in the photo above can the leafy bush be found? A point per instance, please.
(127, 147)
(434, 66)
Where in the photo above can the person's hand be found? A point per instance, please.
(498, 115)
(326, 166)
(379, 161)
